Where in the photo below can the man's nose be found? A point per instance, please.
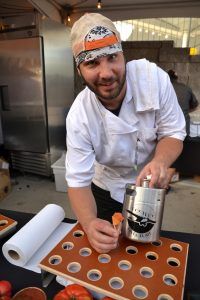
(105, 70)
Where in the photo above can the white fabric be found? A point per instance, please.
(144, 78)
(101, 146)
(194, 129)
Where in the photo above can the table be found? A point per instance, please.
(21, 278)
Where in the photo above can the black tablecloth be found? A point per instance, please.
(21, 278)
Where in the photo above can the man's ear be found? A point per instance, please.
(79, 73)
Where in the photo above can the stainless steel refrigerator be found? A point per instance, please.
(36, 92)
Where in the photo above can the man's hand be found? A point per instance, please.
(158, 172)
(166, 152)
(101, 233)
(102, 236)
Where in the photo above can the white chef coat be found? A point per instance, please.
(111, 150)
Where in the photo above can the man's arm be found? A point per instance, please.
(80, 159)
(101, 234)
(166, 152)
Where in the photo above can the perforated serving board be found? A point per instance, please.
(132, 271)
(6, 225)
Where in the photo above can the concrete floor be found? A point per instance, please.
(30, 193)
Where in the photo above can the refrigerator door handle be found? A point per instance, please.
(4, 98)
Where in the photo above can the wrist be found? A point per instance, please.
(161, 161)
(87, 221)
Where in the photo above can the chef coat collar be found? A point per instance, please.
(128, 96)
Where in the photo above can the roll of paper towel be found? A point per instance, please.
(37, 238)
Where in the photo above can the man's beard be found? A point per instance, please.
(113, 94)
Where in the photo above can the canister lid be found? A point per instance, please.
(145, 183)
(130, 186)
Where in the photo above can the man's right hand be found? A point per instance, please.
(101, 235)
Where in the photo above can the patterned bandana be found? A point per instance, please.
(99, 42)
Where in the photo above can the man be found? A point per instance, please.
(126, 124)
(185, 96)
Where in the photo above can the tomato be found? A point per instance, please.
(73, 292)
(5, 289)
(5, 298)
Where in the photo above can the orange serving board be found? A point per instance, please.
(153, 271)
(6, 225)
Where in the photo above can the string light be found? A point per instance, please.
(67, 20)
(99, 4)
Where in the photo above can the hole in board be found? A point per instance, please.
(3, 222)
(94, 275)
(85, 252)
(174, 262)
(104, 258)
(67, 246)
(124, 265)
(78, 233)
(13, 254)
(176, 247)
(165, 297)
(131, 250)
(74, 267)
(55, 260)
(146, 272)
(152, 255)
(116, 283)
(140, 292)
(170, 279)
(157, 243)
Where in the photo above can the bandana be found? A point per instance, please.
(99, 42)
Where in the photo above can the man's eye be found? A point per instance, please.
(113, 56)
(91, 63)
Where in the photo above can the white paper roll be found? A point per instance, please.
(20, 247)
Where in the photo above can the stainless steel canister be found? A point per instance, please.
(143, 212)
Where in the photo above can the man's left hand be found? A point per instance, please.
(158, 173)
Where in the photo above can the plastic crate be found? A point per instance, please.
(59, 174)
(194, 128)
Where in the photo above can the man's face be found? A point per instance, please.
(105, 76)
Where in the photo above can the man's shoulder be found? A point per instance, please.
(144, 65)
(146, 80)
(81, 102)
(146, 71)
(137, 62)
(141, 62)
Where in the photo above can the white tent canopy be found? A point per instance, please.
(114, 9)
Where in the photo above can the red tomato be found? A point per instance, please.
(5, 297)
(5, 289)
(73, 292)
